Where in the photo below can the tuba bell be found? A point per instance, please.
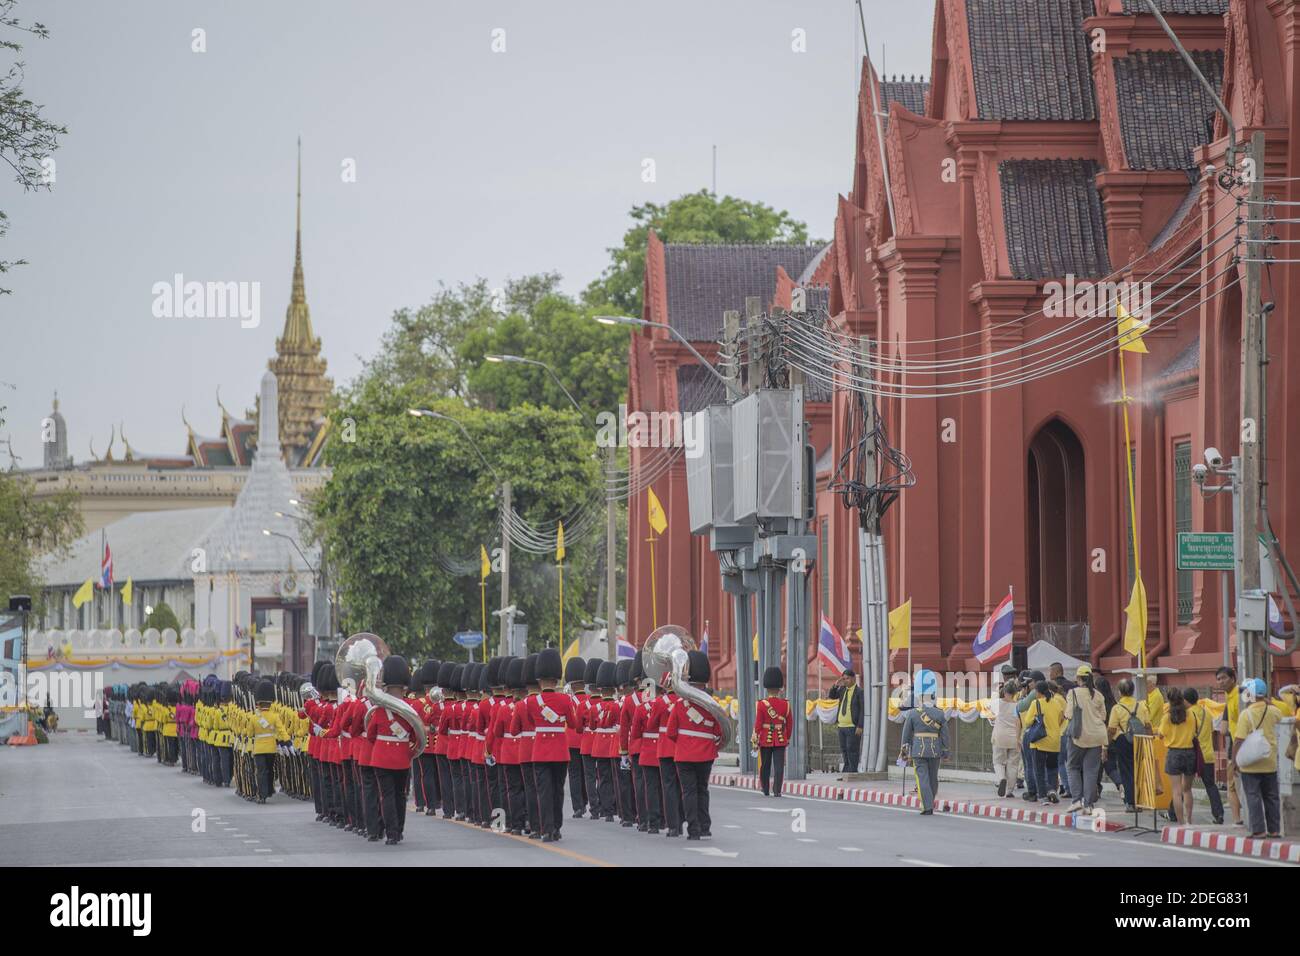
(664, 660)
(358, 663)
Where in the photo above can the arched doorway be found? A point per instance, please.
(1057, 557)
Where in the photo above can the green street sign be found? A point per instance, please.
(1205, 551)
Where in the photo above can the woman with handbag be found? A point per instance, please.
(1178, 730)
(1043, 735)
(1085, 715)
(1256, 752)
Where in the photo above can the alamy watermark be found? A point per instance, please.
(648, 430)
(1082, 298)
(180, 299)
(61, 688)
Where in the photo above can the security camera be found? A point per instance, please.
(1199, 472)
(1213, 458)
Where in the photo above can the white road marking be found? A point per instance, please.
(263, 850)
(807, 840)
(850, 849)
(765, 833)
(770, 810)
(1052, 854)
(252, 841)
(732, 826)
(904, 859)
(712, 851)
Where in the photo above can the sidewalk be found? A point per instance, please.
(974, 795)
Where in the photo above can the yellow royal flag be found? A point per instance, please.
(756, 645)
(658, 520)
(1130, 330)
(559, 543)
(84, 593)
(900, 627)
(571, 652)
(485, 565)
(127, 591)
(1135, 629)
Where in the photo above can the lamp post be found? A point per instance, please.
(732, 389)
(520, 360)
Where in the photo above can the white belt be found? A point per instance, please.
(392, 740)
(456, 733)
(551, 730)
(528, 733)
(649, 736)
(508, 736)
(696, 733)
(345, 735)
(606, 730)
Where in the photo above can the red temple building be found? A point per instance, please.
(1056, 140)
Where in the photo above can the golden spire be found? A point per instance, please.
(297, 318)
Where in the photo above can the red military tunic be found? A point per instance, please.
(521, 725)
(694, 732)
(606, 743)
(475, 715)
(392, 739)
(456, 750)
(772, 722)
(551, 714)
(645, 730)
(502, 742)
(626, 714)
(574, 737)
(361, 746)
(667, 747)
(586, 729)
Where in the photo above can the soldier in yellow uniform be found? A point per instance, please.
(220, 735)
(167, 712)
(149, 724)
(267, 730)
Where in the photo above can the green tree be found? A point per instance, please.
(410, 493)
(29, 528)
(695, 217)
(163, 617)
(26, 137)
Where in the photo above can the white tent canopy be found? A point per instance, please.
(1042, 655)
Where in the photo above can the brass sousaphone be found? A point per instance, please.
(360, 663)
(664, 660)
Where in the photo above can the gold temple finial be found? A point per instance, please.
(224, 414)
(93, 456)
(121, 430)
(112, 433)
(188, 427)
(297, 318)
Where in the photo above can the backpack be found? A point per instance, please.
(1134, 726)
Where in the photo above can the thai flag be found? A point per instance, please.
(994, 639)
(625, 650)
(1277, 635)
(831, 649)
(704, 641)
(106, 569)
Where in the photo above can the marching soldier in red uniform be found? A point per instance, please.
(668, 780)
(695, 734)
(644, 736)
(443, 740)
(492, 738)
(367, 780)
(474, 745)
(427, 764)
(605, 746)
(575, 679)
(455, 741)
(392, 737)
(587, 734)
(772, 729)
(627, 790)
(551, 714)
(508, 745)
(526, 733)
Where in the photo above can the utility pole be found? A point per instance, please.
(611, 547)
(1250, 639)
(507, 620)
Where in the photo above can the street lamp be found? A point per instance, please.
(520, 360)
(426, 413)
(276, 534)
(732, 390)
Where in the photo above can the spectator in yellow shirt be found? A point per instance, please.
(1225, 679)
(1178, 728)
(1044, 753)
(1127, 717)
(1259, 776)
(1205, 741)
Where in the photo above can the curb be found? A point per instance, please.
(893, 798)
(1283, 850)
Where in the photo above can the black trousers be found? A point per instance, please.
(446, 790)
(515, 798)
(672, 792)
(484, 794)
(371, 810)
(550, 793)
(313, 768)
(638, 790)
(532, 806)
(626, 793)
(592, 783)
(606, 768)
(393, 788)
(772, 772)
(651, 816)
(694, 776)
(352, 788)
(226, 758)
(577, 781)
(458, 787)
(265, 774)
(431, 789)
(496, 793)
(850, 747)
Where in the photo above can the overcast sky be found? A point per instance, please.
(468, 162)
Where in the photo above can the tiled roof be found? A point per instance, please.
(1188, 360)
(1030, 59)
(1170, 228)
(1212, 7)
(697, 389)
(910, 94)
(1053, 216)
(704, 280)
(148, 546)
(1164, 112)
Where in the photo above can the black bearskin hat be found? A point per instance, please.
(530, 670)
(575, 670)
(624, 675)
(699, 669)
(265, 691)
(396, 670)
(592, 672)
(445, 671)
(773, 679)
(494, 672)
(515, 673)
(549, 665)
(607, 675)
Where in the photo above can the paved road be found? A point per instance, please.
(84, 801)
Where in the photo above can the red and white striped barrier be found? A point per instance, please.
(895, 798)
(1285, 850)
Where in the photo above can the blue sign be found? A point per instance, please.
(468, 638)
